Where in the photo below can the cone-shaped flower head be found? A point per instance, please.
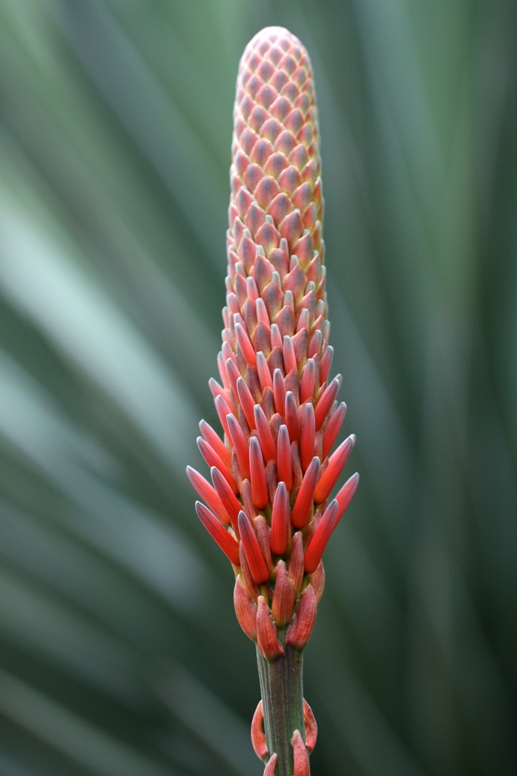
(271, 473)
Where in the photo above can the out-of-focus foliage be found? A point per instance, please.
(119, 650)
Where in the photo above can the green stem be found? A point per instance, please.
(281, 687)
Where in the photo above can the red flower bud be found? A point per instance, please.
(335, 466)
(296, 561)
(240, 445)
(317, 580)
(219, 533)
(311, 727)
(303, 505)
(257, 564)
(307, 435)
(318, 541)
(284, 596)
(284, 468)
(258, 738)
(228, 498)
(300, 630)
(280, 523)
(300, 755)
(259, 492)
(264, 433)
(326, 401)
(208, 494)
(245, 608)
(267, 638)
(344, 496)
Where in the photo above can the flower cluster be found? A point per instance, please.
(272, 474)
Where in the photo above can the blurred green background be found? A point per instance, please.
(119, 651)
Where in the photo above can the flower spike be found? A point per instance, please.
(272, 468)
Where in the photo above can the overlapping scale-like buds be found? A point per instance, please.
(269, 505)
(273, 472)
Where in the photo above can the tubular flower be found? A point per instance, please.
(272, 471)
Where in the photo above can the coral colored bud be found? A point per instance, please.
(280, 523)
(222, 371)
(240, 445)
(245, 608)
(307, 435)
(269, 770)
(284, 596)
(223, 409)
(247, 401)
(295, 569)
(263, 372)
(262, 343)
(249, 506)
(315, 344)
(291, 417)
(284, 469)
(318, 542)
(262, 530)
(296, 468)
(216, 443)
(257, 564)
(262, 313)
(302, 509)
(344, 496)
(259, 492)
(218, 533)
(299, 632)
(228, 498)
(318, 581)
(272, 481)
(218, 390)
(233, 373)
(308, 381)
(300, 756)
(311, 727)
(264, 434)
(245, 345)
(292, 383)
(212, 459)
(251, 585)
(279, 391)
(208, 494)
(289, 355)
(326, 401)
(333, 428)
(267, 638)
(276, 338)
(335, 466)
(326, 363)
(268, 403)
(300, 344)
(253, 383)
(258, 738)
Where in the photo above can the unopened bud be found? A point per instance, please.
(311, 726)
(258, 738)
(300, 630)
(267, 638)
(245, 608)
(318, 581)
(284, 596)
(301, 756)
(296, 561)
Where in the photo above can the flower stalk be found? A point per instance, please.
(269, 505)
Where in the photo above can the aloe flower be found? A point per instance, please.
(268, 506)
